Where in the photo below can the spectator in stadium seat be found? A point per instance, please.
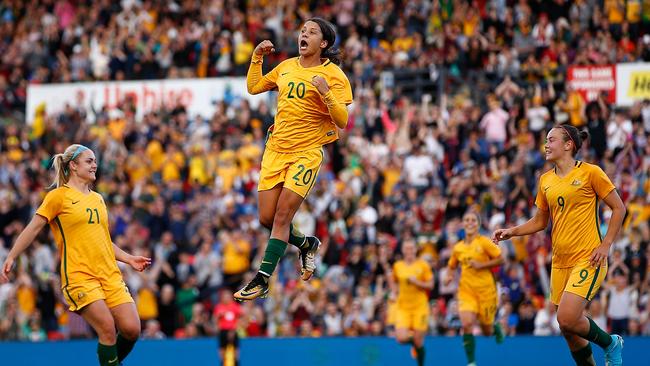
(92, 282)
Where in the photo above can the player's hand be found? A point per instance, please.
(411, 280)
(320, 84)
(264, 48)
(6, 268)
(599, 255)
(139, 263)
(501, 234)
(476, 264)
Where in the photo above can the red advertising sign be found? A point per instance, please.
(592, 80)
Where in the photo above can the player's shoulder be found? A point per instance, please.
(289, 64)
(59, 192)
(334, 70)
(587, 167)
(98, 196)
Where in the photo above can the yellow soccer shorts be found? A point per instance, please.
(297, 171)
(412, 318)
(581, 279)
(113, 291)
(483, 304)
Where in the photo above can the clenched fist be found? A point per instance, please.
(264, 48)
(320, 84)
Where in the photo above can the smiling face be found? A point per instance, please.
(310, 40)
(85, 166)
(470, 223)
(556, 147)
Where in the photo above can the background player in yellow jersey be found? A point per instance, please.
(411, 280)
(90, 279)
(569, 194)
(477, 291)
(313, 94)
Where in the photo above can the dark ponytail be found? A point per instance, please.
(329, 35)
(574, 135)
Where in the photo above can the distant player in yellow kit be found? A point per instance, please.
(90, 279)
(313, 95)
(411, 280)
(477, 291)
(568, 194)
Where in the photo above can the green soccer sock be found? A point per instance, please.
(469, 343)
(296, 238)
(124, 347)
(274, 251)
(107, 355)
(498, 333)
(584, 357)
(420, 355)
(597, 335)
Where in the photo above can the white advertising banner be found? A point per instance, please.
(197, 95)
(632, 83)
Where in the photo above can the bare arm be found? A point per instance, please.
(23, 241)
(139, 263)
(612, 200)
(535, 224)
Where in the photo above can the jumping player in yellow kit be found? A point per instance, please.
(313, 95)
(411, 280)
(90, 279)
(477, 291)
(568, 194)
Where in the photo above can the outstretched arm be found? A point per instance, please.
(23, 241)
(535, 224)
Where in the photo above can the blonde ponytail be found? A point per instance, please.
(61, 162)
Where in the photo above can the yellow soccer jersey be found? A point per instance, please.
(302, 121)
(573, 205)
(481, 249)
(79, 223)
(409, 295)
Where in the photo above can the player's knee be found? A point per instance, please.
(567, 323)
(131, 331)
(106, 333)
(266, 221)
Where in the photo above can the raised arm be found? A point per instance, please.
(255, 82)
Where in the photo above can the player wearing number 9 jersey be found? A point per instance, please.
(568, 195)
(313, 95)
(90, 279)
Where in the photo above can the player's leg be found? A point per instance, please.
(487, 316)
(268, 201)
(98, 315)
(468, 319)
(581, 287)
(288, 204)
(421, 318)
(128, 325)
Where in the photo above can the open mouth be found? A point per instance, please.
(303, 44)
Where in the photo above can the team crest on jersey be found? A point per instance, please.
(576, 182)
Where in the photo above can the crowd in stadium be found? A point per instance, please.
(182, 189)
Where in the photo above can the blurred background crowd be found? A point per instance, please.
(182, 189)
